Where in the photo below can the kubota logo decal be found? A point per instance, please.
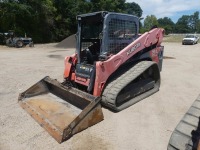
(133, 49)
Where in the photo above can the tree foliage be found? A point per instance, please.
(182, 26)
(35, 18)
(54, 20)
(167, 24)
(188, 24)
(133, 8)
(185, 24)
(149, 22)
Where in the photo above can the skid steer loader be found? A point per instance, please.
(113, 65)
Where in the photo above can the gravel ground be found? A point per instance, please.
(146, 125)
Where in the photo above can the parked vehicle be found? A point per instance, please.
(11, 40)
(190, 39)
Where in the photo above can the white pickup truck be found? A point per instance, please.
(190, 39)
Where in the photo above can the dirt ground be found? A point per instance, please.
(146, 125)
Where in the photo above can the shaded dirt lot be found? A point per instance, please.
(146, 125)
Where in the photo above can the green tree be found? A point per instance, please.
(198, 26)
(133, 9)
(65, 16)
(193, 22)
(107, 5)
(182, 25)
(11, 14)
(67, 10)
(167, 24)
(54, 20)
(35, 18)
(42, 24)
(149, 22)
(188, 23)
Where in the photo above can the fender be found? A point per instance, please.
(70, 62)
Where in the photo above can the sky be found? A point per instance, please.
(173, 9)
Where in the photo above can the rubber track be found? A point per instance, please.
(187, 133)
(114, 87)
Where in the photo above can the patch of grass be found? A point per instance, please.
(173, 38)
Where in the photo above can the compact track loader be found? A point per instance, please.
(113, 65)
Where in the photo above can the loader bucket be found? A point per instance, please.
(62, 111)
